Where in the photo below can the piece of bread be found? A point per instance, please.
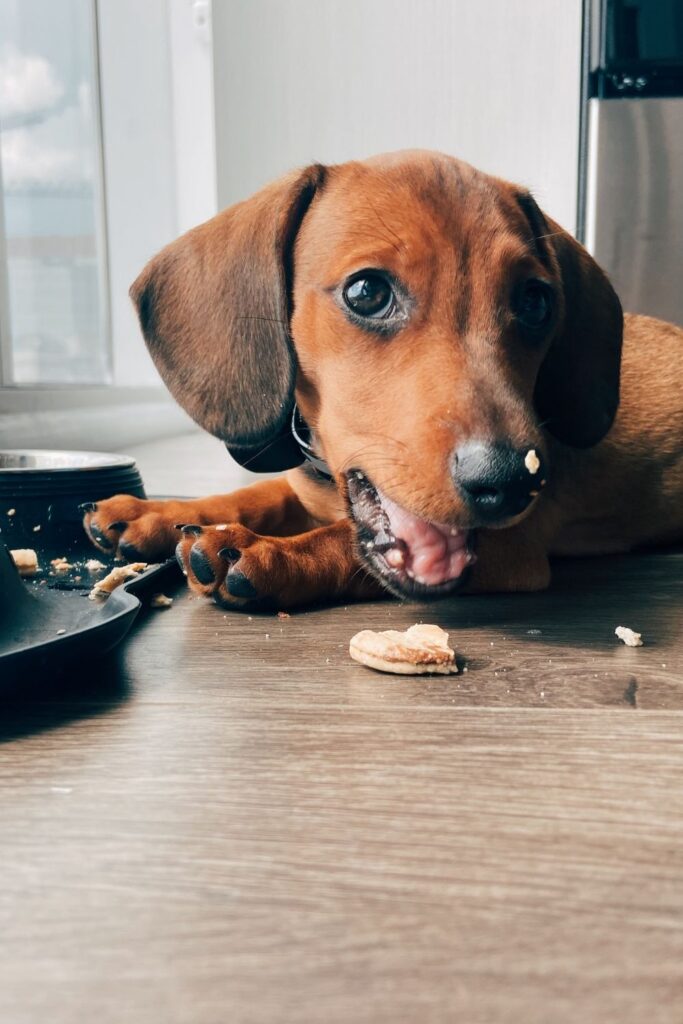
(160, 601)
(421, 649)
(629, 636)
(61, 564)
(118, 576)
(26, 561)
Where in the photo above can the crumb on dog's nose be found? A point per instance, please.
(496, 480)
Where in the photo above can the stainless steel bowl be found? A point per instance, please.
(38, 460)
(43, 488)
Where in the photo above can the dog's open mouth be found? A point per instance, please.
(411, 556)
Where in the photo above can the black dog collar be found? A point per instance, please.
(290, 448)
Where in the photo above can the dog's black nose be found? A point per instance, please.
(497, 481)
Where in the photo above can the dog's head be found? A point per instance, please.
(431, 323)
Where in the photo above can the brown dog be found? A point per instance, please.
(458, 359)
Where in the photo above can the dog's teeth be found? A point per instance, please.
(410, 573)
(358, 475)
(369, 544)
(395, 558)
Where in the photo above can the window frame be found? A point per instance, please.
(178, 36)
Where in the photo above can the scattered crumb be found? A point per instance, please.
(11, 512)
(61, 564)
(420, 649)
(629, 637)
(534, 632)
(283, 615)
(532, 461)
(94, 564)
(221, 527)
(118, 576)
(26, 561)
(60, 631)
(36, 529)
(160, 601)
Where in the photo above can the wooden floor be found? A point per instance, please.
(233, 823)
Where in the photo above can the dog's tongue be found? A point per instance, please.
(433, 553)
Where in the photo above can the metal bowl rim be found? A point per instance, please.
(97, 460)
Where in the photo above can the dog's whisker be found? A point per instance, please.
(265, 319)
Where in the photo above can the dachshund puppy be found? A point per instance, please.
(467, 395)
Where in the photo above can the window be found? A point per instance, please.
(55, 324)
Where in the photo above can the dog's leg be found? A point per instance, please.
(241, 569)
(142, 530)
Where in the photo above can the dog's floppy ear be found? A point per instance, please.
(214, 309)
(577, 390)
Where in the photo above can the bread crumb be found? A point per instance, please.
(11, 512)
(420, 649)
(36, 529)
(60, 632)
(94, 564)
(221, 527)
(532, 461)
(61, 564)
(26, 561)
(283, 615)
(629, 636)
(160, 601)
(118, 576)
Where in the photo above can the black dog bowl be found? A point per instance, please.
(40, 492)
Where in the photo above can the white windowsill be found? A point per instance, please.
(96, 418)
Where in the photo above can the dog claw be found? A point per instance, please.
(88, 506)
(230, 554)
(192, 529)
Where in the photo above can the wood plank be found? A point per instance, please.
(230, 861)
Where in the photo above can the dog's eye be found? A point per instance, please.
(370, 295)
(534, 305)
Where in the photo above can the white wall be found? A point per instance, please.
(495, 82)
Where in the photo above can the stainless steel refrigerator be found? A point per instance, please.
(633, 151)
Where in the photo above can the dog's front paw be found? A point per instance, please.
(135, 529)
(235, 566)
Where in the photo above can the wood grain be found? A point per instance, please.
(231, 821)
